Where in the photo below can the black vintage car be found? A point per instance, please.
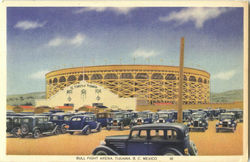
(238, 114)
(62, 120)
(120, 120)
(13, 124)
(198, 121)
(227, 122)
(104, 118)
(144, 117)
(37, 125)
(150, 139)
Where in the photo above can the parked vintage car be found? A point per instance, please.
(104, 118)
(13, 124)
(84, 124)
(150, 139)
(227, 122)
(36, 126)
(164, 117)
(62, 120)
(120, 120)
(198, 122)
(144, 117)
(238, 114)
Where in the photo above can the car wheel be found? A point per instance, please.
(71, 133)
(36, 133)
(171, 153)
(63, 129)
(203, 129)
(101, 152)
(192, 149)
(217, 130)
(16, 132)
(88, 131)
(24, 129)
(122, 126)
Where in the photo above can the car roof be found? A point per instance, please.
(61, 113)
(35, 116)
(227, 113)
(164, 112)
(82, 116)
(178, 126)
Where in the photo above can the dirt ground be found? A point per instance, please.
(208, 143)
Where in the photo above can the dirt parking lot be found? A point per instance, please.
(208, 143)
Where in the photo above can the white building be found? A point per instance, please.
(85, 93)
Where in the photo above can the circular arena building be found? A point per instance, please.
(148, 83)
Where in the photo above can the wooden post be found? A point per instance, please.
(179, 103)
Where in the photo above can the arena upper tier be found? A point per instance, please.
(148, 83)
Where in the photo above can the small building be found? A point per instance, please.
(84, 93)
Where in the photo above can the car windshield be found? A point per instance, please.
(197, 115)
(8, 120)
(26, 120)
(164, 115)
(66, 118)
(54, 117)
(226, 116)
(142, 115)
(76, 119)
(118, 115)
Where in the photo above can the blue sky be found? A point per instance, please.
(42, 39)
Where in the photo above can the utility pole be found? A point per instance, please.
(179, 103)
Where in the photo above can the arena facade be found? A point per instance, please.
(150, 84)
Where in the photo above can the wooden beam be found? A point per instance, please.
(179, 103)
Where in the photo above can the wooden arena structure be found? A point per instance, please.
(150, 83)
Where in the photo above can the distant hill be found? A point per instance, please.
(29, 98)
(228, 96)
(25, 99)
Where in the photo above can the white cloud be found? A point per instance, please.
(224, 75)
(117, 10)
(56, 42)
(197, 15)
(77, 40)
(144, 53)
(26, 25)
(39, 74)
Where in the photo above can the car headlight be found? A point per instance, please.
(200, 122)
(229, 122)
(220, 122)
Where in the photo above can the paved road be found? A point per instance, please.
(208, 143)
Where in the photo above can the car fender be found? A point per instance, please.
(170, 149)
(54, 129)
(105, 148)
(35, 129)
(85, 128)
(98, 125)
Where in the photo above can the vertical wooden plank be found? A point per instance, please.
(179, 103)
